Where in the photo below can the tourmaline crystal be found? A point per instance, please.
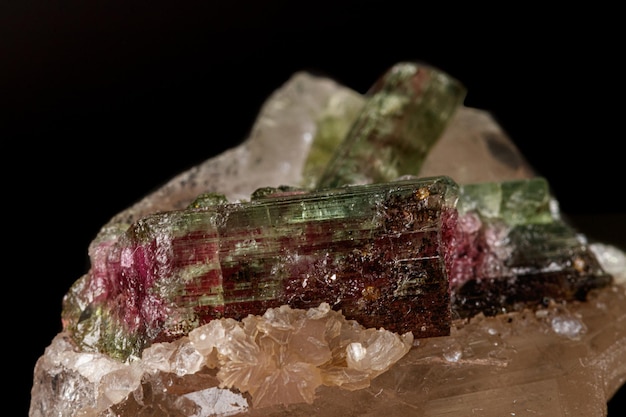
(173, 261)
(387, 255)
(513, 250)
(379, 253)
(406, 112)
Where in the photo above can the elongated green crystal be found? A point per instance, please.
(405, 113)
(333, 125)
(376, 252)
(243, 290)
(514, 250)
(405, 255)
(514, 202)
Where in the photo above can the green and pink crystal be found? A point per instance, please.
(366, 244)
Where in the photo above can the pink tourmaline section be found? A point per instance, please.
(378, 253)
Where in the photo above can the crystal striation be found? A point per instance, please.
(407, 110)
(379, 253)
(200, 302)
(513, 250)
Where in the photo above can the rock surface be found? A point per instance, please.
(566, 359)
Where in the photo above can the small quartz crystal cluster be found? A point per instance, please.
(405, 234)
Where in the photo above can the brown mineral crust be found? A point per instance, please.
(366, 274)
(564, 359)
(546, 262)
(382, 283)
(515, 364)
(492, 296)
(376, 252)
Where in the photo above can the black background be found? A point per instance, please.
(103, 101)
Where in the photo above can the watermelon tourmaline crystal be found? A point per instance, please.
(406, 111)
(408, 256)
(513, 250)
(379, 253)
(259, 303)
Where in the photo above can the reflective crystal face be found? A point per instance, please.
(377, 253)
(383, 254)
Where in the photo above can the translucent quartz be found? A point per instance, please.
(566, 359)
(304, 114)
(376, 252)
(510, 250)
(407, 110)
(333, 124)
(473, 149)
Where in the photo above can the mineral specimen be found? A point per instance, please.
(225, 366)
(219, 306)
(406, 112)
(376, 252)
(513, 250)
(285, 355)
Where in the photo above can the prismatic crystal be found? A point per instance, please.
(406, 261)
(375, 252)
